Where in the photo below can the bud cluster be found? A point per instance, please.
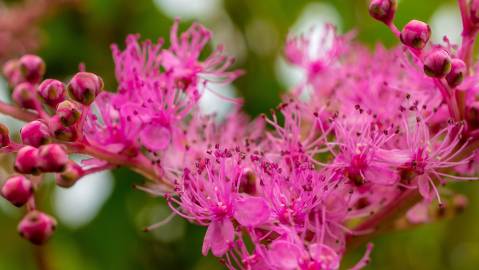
(55, 120)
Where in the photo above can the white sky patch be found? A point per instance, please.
(13, 124)
(290, 76)
(212, 103)
(78, 205)
(446, 20)
(225, 33)
(314, 15)
(189, 9)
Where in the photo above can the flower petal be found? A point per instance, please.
(284, 255)
(218, 237)
(381, 175)
(155, 137)
(327, 257)
(251, 211)
(424, 187)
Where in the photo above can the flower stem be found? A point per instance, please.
(41, 258)
(385, 218)
(138, 163)
(17, 113)
(469, 34)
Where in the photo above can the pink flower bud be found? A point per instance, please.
(32, 68)
(460, 202)
(457, 73)
(61, 132)
(415, 34)
(27, 160)
(25, 96)
(4, 136)
(68, 113)
(37, 227)
(17, 190)
(52, 92)
(11, 70)
(437, 64)
(84, 87)
(52, 158)
(472, 115)
(35, 133)
(383, 10)
(70, 175)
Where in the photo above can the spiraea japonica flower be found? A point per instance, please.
(375, 140)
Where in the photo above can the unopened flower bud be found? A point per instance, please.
(61, 132)
(37, 227)
(52, 158)
(11, 70)
(460, 202)
(70, 175)
(17, 190)
(52, 92)
(68, 113)
(472, 115)
(84, 87)
(4, 136)
(35, 133)
(248, 182)
(25, 96)
(437, 64)
(458, 71)
(383, 10)
(415, 34)
(32, 68)
(26, 161)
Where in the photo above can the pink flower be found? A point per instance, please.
(316, 57)
(182, 59)
(291, 254)
(360, 158)
(158, 89)
(208, 195)
(425, 156)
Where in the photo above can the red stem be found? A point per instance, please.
(17, 113)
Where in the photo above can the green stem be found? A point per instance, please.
(41, 258)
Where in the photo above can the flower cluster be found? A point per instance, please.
(370, 138)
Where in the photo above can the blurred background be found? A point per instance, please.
(101, 218)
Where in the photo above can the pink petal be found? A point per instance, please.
(218, 237)
(93, 162)
(424, 187)
(155, 137)
(418, 214)
(381, 175)
(327, 257)
(251, 211)
(395, 156)
(284, 255)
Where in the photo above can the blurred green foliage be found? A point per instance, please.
(114, 239)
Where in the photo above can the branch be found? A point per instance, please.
(385, 218)
(17, 113)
